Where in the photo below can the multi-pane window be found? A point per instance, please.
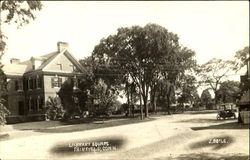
(32, 104)
(39, 82)
(34, 84)
(18, 85)
(31, 83)
(56, 82)
(39, 103)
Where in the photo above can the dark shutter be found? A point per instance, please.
(59, 82)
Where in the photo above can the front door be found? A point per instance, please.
(21, 108)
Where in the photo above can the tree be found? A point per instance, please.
(196, 100)
(104, 98)
(188, 85)
(229, 91)
(214, 72)
(142, 55)
(19, 12)
(74, 96)
(241, 58)
(166, 94)
(3, 97)
(206, 98)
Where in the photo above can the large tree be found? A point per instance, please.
(214, 72)
(142, 55)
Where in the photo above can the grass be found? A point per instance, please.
(93, 125)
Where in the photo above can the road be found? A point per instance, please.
(180, 136)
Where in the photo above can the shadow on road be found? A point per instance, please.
(207, 156)
(201, 112)
(83, 146)
(231, 125)
(216, 143)
(4, 137)
(202, 120)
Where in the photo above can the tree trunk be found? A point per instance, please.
(168, 105)
(153, 99)
(145, 105)
(145, 99)
(215, 98)
(141, 107)
(128, 101)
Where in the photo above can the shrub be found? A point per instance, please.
(54, 109)
(3, 113)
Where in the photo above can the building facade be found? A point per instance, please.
(31, 82)
(244, 102)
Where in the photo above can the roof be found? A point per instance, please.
(14, 69)
(25, 66)
(49, 58)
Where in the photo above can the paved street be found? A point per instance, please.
(179, 136)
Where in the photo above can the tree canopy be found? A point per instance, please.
(16, 12)
(241, 58)
(142, 55)
(229, 91)
(214, 72)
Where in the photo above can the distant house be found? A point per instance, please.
(31, 82)
(224, 106)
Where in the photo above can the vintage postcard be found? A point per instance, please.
(124, 80)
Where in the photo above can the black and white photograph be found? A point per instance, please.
(124, 80)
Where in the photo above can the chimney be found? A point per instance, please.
(14, 61)
(62, 46)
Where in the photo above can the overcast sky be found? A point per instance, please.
(211, 29)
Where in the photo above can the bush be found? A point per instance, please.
(54, 109)
(3, 113)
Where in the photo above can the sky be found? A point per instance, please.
(213, 29)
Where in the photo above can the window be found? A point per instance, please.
(31, 84)
(38, 82)
(73, 67)
(34, 84)
(56, 82)
(18, 85)
(30, 104)
(34, 104)
(39, 103)
(60, 66)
